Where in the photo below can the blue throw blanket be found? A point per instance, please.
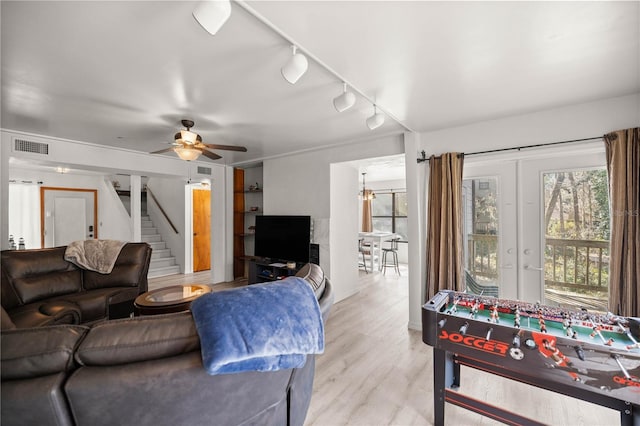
(261, 327)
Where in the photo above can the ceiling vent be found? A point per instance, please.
(21, 145)
(204, 170)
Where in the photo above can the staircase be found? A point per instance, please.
(162, 263)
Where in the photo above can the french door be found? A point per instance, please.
(536, 227)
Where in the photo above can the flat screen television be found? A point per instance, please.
(283, 238)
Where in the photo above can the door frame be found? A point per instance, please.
(193, 230)
(188, 224)
(529, 205)
(43, 190)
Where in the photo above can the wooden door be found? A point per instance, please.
(201, 230)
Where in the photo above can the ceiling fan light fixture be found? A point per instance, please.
(187, 153)
(212, 14)
(376, 120)
(345, 101)
(295, 67)
(188, 136)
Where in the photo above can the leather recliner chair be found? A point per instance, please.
(39, 287)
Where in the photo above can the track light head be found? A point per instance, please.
(345, 101)
(212, 14)
(376, 120)
(295, 67)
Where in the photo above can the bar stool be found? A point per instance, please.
(363, 251)
(393, 249)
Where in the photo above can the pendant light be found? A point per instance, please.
(295, 67)
(365, 196)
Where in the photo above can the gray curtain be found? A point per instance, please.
(444, 224)
(623, 168)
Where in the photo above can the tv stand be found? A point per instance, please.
(262, 270)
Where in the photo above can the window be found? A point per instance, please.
(389, 213)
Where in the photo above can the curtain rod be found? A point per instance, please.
(515, 148)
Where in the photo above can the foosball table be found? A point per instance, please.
(592, 356)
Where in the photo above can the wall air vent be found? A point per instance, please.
(204, 170)
(22, 145)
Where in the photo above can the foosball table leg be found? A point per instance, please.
(630, 416)
(446, 373)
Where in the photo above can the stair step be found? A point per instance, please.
(149, 231)
(146, 223)
(162, 262)
(151, 238)
(160, 253)
(161, 272)
(159, 245)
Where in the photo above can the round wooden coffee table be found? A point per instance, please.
(166, 300)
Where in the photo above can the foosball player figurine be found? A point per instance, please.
(474, 309)
(543, 326)
(493, 317)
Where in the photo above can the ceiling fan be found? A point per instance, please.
(188, 145)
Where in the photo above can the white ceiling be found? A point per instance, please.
(125, 73)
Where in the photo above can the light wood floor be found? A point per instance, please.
(375, 371)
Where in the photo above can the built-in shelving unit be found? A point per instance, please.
(247, 204)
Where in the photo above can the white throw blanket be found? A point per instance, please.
(94, 255)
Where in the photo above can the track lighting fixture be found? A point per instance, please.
(295, 67)
(212, 14)
(376, 120)
(345, 101)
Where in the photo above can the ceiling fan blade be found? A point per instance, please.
(162, 150)
(210, 154)
(226, 147)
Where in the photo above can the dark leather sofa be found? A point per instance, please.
(143, 371)
(39, 287)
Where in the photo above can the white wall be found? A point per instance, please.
(113, 220)
(566, 123)
(170, 194)
(300, 184)
(222, 224)
(343, 227)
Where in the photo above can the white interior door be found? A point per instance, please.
(69, 220)
(67, 215)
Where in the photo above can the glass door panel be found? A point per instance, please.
(489, 219)
(480, 199)
(576, 250)
(563, 229)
